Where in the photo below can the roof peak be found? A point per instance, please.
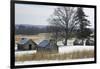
(23, 40)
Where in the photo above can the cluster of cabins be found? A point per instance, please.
(28, 44)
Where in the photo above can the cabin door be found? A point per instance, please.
(30, 46)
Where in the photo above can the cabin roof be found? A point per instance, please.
(23, 41)
(44, 43)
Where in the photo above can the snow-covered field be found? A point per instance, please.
(25, 52)
(62, 49)
(52, 61)
(66, 49)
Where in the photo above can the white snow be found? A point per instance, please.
(69, 42)
(15, 47)
(63, 49)
(52, 61)
(25, 52)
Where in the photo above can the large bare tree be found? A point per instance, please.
(63, 17)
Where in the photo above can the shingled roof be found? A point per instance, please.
(44, 43)
(23, 41)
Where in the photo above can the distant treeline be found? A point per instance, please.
(34, 29)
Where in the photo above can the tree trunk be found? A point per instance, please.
(83, 41)
(56, 37)
(66, 37)
(65, 41)
(66, 33)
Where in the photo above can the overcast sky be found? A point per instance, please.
(38, 14)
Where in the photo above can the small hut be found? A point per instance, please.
(26, 44)
(47, 46)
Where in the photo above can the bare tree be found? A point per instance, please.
(63, 17)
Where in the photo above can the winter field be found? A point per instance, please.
(53, 61)
(62, 49)
(65, 54)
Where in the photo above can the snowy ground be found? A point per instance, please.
(25, 52)
(62, 49)
(53, 61)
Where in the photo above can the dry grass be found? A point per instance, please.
(33, 37)
(57, 56)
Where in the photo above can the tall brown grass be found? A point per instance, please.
(56, 56)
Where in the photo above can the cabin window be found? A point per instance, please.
(30, 46)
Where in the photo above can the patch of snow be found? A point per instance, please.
(52, 61)
(25, 52)
(15, 48)
(60, 43)
(63, 49)
(69, 42)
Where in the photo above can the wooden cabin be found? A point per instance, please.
(47, 46)
(26, 44)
